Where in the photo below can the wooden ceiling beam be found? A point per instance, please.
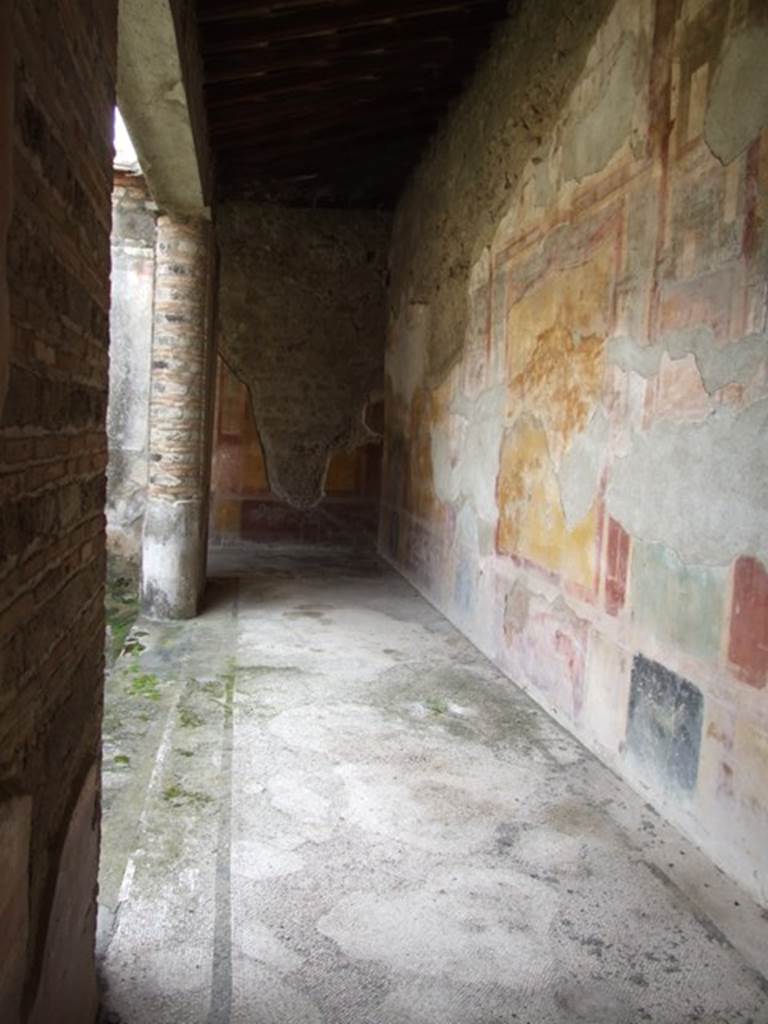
(305, 150)
(380, 37)
(265, 68)
(224, 39)
(321, 120)
(358, 12)
(330, 101)
(339, 24)
(307, 130)
(341, 88)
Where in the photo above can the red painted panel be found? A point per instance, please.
(748, 648)
(616, 568)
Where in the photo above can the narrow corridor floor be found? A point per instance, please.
(323, 806)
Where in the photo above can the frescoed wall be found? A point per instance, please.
(576, 463)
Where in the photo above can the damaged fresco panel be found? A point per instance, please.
(545, 646)
(664, 730)
(732, 792)
(555, 338)
(556, 332)
(677, 603)
(532, 524)
(616, 349)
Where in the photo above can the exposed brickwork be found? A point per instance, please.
(174, 536)
(52, 439)
(179, 360)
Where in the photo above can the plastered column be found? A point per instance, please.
(174, 536)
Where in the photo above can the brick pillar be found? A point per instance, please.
(175, 521)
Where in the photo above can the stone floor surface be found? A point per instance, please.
(323, 806)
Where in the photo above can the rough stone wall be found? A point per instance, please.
(52, 489)
(302, 323)
(577, 391)
(243, 505)
(130, 360)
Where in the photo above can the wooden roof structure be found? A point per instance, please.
(330, 102)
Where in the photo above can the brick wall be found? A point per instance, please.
(175, 522)
(52, 493)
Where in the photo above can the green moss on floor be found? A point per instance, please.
(121, 605)
(179, 796)
(189, 719)
(144, 684)
(436, 705)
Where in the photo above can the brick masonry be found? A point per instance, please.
(175, 523)
(52, 485)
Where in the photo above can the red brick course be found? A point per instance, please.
(52, 439)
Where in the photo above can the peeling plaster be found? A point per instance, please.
(718, 365)
(579, 473)
(730, 126)
(700, 488)
(406, 357)
(591, 138)
(478, 463)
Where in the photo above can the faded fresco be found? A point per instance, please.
(580, 481)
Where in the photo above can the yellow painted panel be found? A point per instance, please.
(531, 520)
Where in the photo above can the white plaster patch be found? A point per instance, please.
(341, 729)
(258, 942)
(718, 364)
(699, 488)
(481, 927)
(434, 805)
(729, 125)
(446, 444)
(406, 354)
(258, 860)
(292, 793)
(465, 459)
(580, 467)
(255, 984)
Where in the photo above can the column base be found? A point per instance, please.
(172, 560)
